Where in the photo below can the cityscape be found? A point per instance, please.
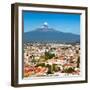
(44, 59)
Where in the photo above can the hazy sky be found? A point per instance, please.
(58, 21)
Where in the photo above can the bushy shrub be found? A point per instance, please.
(40, 64)
(69, 70)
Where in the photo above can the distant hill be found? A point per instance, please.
(45, 34)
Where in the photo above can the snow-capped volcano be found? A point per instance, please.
(45, 27)
(45, 33)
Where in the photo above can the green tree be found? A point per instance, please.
(49, 55)
(78, 62)
(50, 71)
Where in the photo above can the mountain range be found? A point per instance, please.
(46, 34)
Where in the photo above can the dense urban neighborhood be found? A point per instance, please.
(56, 59)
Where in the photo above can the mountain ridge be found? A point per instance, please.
(45, 33)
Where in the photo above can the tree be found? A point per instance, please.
(78, 62)
(69, 70)
(50, 71)
(55, 68)
(49, 55)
